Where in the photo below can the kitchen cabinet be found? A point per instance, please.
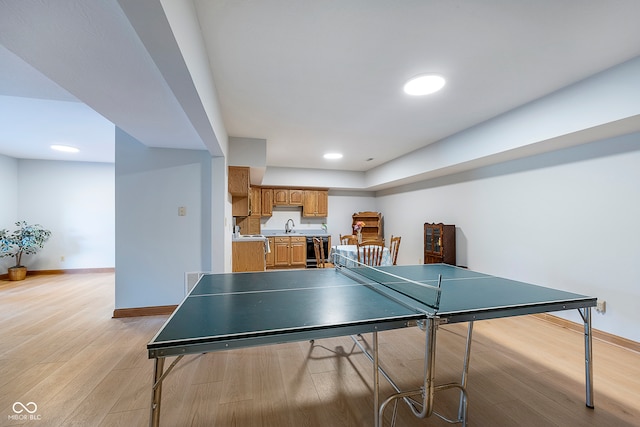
(287, 197)
(316, 203)
(238, 181)
(281, 252)
(248, 224)
(248, 255)
(281, 197)
(373, 225)
(296, 197)
(267, 201)
(289, 251)
(439, 243)
(256, 202)
(298, 251)
(240, 206)
(238, 187)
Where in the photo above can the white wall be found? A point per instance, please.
(567, 220)
(75, 201)
(342, 205)
(154, 245)
(9, 194)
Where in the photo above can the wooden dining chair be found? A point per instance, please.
(394, 246)
(321, 261)
(370, 252)
(348, 239)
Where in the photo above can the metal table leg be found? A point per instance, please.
(156, 392)
(585, 313)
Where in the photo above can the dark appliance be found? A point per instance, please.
(311, 253)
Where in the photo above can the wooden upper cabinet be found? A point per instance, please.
(267, 202)
(239, 181)
(322, 205)
(316, 203)
(240, 206)
(296, 197)
(256, 201)
(288, 197)
(281, 196)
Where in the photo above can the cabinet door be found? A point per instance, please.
(238, 180)
(267, 202)
(310, 203)
(240, 205)
(322, 203)
(256, 201)
(296, 197)
(298, 251)
(433, 243)
(281, 196)
(281, 252)
(316, 203)
(433, 239)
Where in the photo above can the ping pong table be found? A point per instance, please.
(235, 310)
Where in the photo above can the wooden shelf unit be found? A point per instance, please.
(373, 225)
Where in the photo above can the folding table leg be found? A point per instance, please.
(376, 381)
(588, 355)
(156, 392)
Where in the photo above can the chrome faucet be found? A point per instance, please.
(286, 226)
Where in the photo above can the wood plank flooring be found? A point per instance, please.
(61, 349)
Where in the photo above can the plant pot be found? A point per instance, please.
(17, 273)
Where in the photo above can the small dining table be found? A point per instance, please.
(350, 252)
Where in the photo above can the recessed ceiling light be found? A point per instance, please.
(65, 148)
(332, 156)
(424, 84)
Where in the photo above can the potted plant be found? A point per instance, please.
(25, 240)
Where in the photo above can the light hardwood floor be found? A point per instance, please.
(60, 348)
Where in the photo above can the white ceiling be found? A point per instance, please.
(308, 76)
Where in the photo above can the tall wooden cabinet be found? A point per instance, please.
(373, 225)
(239, 188)
(439, 243)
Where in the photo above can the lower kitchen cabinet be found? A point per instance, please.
(289, 252)
(248, 255)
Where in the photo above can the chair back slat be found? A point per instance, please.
(393, 248)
